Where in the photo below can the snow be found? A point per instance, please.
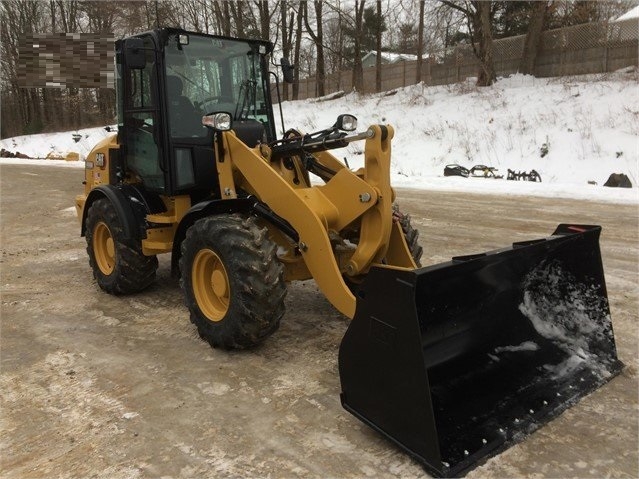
(633, 13)
(391, 57)
(40, 162)
(573, 315)
(525, 346)
(571, 130)
(589, 126)
(55, 144)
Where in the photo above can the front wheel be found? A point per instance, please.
(118, 264)
(233, 282)
(411, 234)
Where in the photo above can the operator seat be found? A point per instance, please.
(185, 120)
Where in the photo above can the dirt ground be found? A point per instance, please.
(122, 387)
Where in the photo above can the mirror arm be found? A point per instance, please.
(220, 146)
(279, 99)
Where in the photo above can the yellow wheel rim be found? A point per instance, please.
(210, 284)
(104, 248)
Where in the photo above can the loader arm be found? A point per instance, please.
(316, 210)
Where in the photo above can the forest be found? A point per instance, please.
(319, 37)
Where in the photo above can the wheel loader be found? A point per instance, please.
(453, 362)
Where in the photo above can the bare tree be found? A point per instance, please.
(138, 16)
(335, 32)
(420, 43)
(222, 15)
(479, 16)
(68, 15)
(296, 55)
(358, 71)
(238, 18)
(444, 25)
(192, 14)
(21, 107)
(484, 32)
(378, 46)
(287, 17)
(533, 37)
(317, 36)
(265, 15)
(102, 18)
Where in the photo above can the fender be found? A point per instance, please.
(246, 205)
(131, 204)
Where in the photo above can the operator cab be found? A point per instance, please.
(167, 80)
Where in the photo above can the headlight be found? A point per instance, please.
(218, 121)
(346, 123)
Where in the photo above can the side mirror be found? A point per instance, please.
(346, 123)
(134, 55)
(287, 70)
(218, 121)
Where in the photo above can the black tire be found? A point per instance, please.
(233, 282)
(118, 264)
(411, 235)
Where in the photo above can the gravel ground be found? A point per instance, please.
(122, 387)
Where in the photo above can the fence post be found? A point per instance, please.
(606, 45)
(562, 55)
(403, 72)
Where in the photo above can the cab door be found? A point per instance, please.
(142, 138)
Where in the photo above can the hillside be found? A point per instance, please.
(572, 131)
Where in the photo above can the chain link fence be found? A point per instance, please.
(577, 50)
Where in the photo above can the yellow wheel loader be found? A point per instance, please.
(453, 362)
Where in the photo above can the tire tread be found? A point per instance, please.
(133, 270)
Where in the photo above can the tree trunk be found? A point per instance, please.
(226, 19)
(321, 72)
(483, 26)
(265, 18)
(238, 17)
(378, 46)
(358, 71)
(533, 38)
(296, 55)
(318, 40)
(480, 18)
(52, 6)
(420, 43)
(286, 46)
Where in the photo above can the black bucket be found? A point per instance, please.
(458, 361)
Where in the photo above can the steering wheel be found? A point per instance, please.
(209, 99)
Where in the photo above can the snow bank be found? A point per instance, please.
(573, 131)
(56, 145)
(632, 13)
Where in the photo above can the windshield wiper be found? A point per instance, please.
(246, 99)
(208, 93)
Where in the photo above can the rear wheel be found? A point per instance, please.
(233, 282)
(118, 264)
(411, 234)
